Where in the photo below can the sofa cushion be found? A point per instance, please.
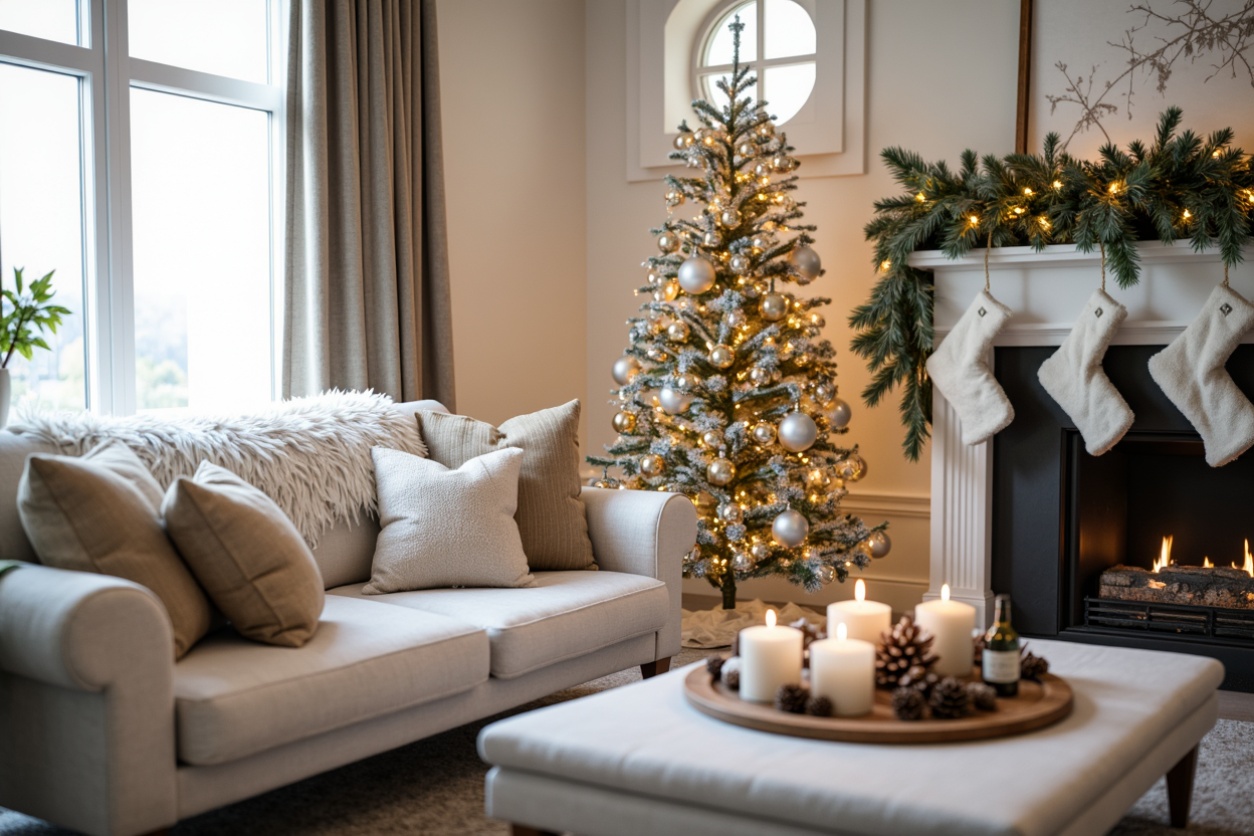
(447, 527)
(102, 513)
(234, 697)
(566, 614)
(247, 555)
(551, 517)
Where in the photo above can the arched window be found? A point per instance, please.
(779, 44)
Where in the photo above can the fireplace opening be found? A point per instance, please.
(1063, 520)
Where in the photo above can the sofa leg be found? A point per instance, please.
(651, 669)
(1180, 789)
(523, 830)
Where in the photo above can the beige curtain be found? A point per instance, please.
(367, 286)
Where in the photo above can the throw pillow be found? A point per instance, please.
(102, 513)
(441, 527)
(247, 555)
(551, 516)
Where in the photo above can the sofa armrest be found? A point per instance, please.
(644, 533)
(87, 688)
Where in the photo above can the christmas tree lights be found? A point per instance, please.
(727, 392)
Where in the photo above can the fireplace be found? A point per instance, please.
(1062, 519)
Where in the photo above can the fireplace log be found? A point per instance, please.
(1221, 586)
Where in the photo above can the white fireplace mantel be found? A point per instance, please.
(1046, 291)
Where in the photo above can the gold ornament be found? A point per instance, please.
(670, 290)
(686, 382)
(712, 439)
(674, 198)
(735, 318)
(677, 331)
(705, 501)
(722, 356)
(746, 149)
(711, 239)
(773, 307)
(759, 376)
(852, 467)
(760, 551)
(720, 472)
(624, 422)
(652, 465)
(668, 242)
(740, 264)
(730, 513)
(763, 433)
(729, 218)
(625, 370)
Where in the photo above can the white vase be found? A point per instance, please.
(4, 398)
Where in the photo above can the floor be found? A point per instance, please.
(1233, 705)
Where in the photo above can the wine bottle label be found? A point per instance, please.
(1001, 666)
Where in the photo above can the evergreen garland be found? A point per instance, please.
(1182, 186)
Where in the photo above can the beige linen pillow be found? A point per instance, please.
(102, 513)
(247, 555)
(442, 527)
(551, 516)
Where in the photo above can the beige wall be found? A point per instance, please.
(512, 78)
(941, 78)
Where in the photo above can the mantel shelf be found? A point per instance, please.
(1067, 255)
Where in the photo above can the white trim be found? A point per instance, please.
(912, 506)
(120, 398)
(49, 55)
(164, 78)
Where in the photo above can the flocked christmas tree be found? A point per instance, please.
(727, 391)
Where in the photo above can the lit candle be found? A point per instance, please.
(951, 622)
(843, 670)
(770, 656)
(865, 620)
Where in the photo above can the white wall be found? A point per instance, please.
(512, 85)
(941, 78)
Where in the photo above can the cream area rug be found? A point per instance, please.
(717, 627)
(435, 786)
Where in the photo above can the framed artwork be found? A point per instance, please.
(1098, 72)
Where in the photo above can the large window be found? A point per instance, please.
(139, 159)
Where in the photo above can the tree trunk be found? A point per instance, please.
(729, 591)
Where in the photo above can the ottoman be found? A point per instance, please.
(639, 759)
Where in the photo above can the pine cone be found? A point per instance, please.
(903, 647)
(1032, 666)
(983, 696)
(920, 679)
(792, 698)
(949, 699)
(819, 707)
(909, 704)
(731, 673)
(978, 647)
(714, 664)
(810, 633)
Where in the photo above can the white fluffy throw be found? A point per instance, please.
(310, 455)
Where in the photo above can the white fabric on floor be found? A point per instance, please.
(717, 627)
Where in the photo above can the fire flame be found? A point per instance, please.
(1206, 564)
(1249, 561)
(1164, 559)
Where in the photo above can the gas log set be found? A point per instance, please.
(1205, 585)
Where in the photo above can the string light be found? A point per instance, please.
(885, 265)
(1057, 184)
(1113, 188)
(1027, 191)
(920, 197)
(1185, 215)
(973, 220)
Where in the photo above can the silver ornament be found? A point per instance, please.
(765, 130)
(782, 163)
(824, 393)
(674, 198)
(655, 278)
(686, 382)
(720, 472)
(852, 467)
(624, 422)
(763, 432)
(762, 169)
(656, 353)
(740, 264)
(790, 528)
(826, 574)
(735, 318)
(677, 331)
(773, 307)
(696, 275)
(673, 400)
(807, 264)
(746, 149)
(722, 356)
(759, 376)
(625, 369)
(838, 414)
(668, 242)
(712, 439)
(760, 551)
(879, 544)
(652, 465)
(712, 239)
(741, 562)
(729, 218)
(797, 432)
(760, 242)
(731, 512)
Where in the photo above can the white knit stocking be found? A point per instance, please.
(959, 368)
(1073, 376)
(1191, 373)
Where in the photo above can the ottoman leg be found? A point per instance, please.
(1180, 788)
(651, 669)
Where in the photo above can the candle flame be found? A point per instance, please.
(1164, 555)
(842, 632)
(770, 618)
(859, 588)
(944, 592)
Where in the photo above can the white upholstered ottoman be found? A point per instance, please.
(640, 760)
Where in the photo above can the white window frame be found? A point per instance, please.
(106, 74)
(662, 37)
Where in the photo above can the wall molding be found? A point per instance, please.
(913, 506)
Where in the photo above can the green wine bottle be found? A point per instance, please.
(1000, 665)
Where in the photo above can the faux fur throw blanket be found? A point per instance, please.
(310, 455)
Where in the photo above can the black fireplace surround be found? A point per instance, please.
(1061, 516)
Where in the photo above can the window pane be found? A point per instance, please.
(226, 37)
(55, 20)
(787, 89)
(719, 49)
(41, 223)
(201, 218)
(712, 94)
(788, 30)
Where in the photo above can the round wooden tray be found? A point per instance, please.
(1037, 704)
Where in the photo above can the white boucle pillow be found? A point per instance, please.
(441, 528)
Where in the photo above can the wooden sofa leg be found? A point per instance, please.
(652, 669)
(523, 830)
(1180, 789)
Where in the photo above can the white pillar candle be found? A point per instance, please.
(951, 623)
(770, 656)
(843, 670)
(865, 620)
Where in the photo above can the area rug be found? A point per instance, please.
(435, 786)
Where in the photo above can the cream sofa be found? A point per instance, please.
(102, 732)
